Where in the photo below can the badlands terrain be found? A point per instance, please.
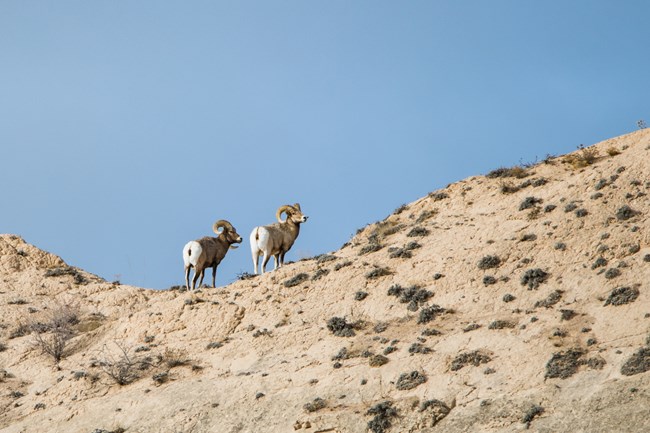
(511, 301)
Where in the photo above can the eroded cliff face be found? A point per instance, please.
(513, 301)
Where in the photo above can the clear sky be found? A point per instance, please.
(128, 127)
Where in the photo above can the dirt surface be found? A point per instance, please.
(429, 346)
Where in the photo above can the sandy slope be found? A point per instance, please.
(248, 357)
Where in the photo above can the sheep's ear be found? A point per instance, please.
(297, 206)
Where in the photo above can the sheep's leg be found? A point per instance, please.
(265, 260)
(187, 277)
(197, 274)
(201, 280)
(255, 248)
(214, 276)
(276, 261)
(282, 257)
(256, 258)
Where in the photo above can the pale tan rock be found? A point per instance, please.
(249, 356)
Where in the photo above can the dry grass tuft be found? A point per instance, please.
(612, 151)
(583, 158)
(517, 172)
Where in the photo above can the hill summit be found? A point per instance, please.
(517, 300)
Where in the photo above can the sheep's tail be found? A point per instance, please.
(255, 246)
(192, 249)
(254, 239)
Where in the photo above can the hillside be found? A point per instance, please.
(513, 301)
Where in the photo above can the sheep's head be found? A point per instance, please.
(228, 232)
(294, 214)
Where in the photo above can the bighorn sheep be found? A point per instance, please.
(277, 238)
(208, 252)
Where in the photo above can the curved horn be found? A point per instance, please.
(286, 208)
(221, 223)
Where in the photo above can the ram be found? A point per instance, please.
(277, 238)
(208, 252)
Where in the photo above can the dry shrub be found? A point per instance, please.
(622, 296)
(550, 300)
(315, 405)
(53, 343)
(429, 313)
(436, 408)
(529, 202)
(533, 278)
(425, 215)
(370, 248)
(625, 213)
(508, 187)
(489, 262)
(501, 324)
(377, 360)
(324, 258)
(245, 276)
(67, 270)
(51, 335)
(534, 214)
(410, 380)
(418, 232)
(534, 411)
(413, 295)
(160, 378)
(488, 280)
(320, 273)
(639, 362)
(437, 196)
(404, 253)
(121, 365)
(18, 301)
(342, 265)
(340, 327)
(175, 358)
(517, 171)
(378, 272)
(20, 331)
(419, 348)
(383, 229)
(296, 280)
(583, 158)
(399, 253)
(474, 358)
(564, 364)
(383, 413)
(401, 209)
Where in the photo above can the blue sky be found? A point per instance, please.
(128, 127)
